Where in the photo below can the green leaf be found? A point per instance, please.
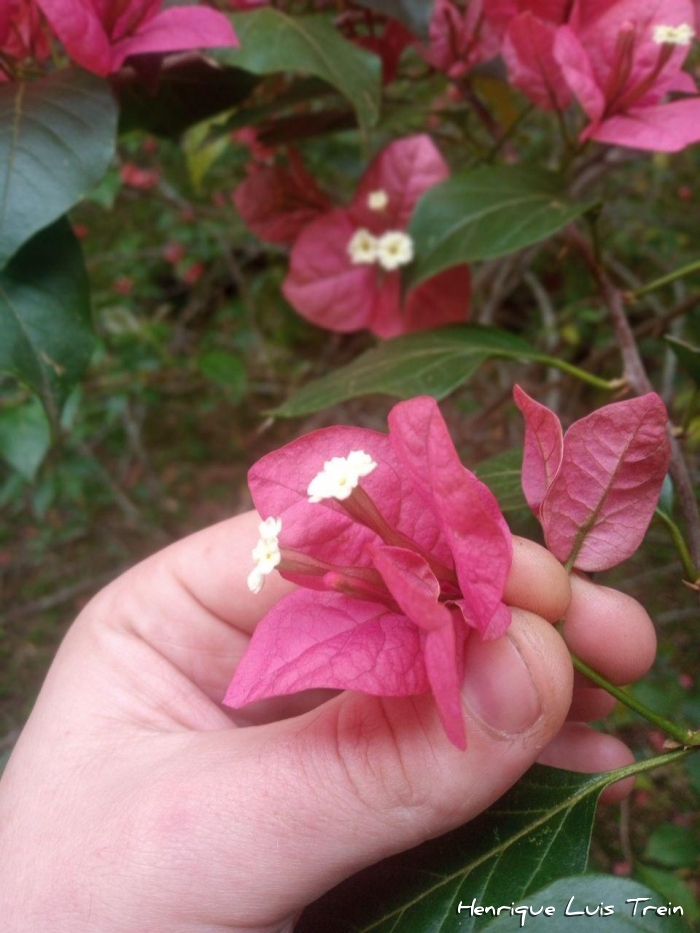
(45, 316)
(57, 137)
(613, 904)
(271, 42)
(671, 888)
(427, 363)
(25, 437)
(226, 370)
(688, 356)
(538, 832)
(412, 13)
(503, 475)
(485, 213)
(187, 94)
(673, 846)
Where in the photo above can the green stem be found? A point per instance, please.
(666, 279)
(607, 384)
(689, 568)
(639, 767)
(684, 737)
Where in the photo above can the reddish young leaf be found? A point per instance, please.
(543, 451)
(601, 501)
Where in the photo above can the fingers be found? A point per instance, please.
(610, 631)
(191, 603)
(366, 777)
(537, 581)
(580, 748)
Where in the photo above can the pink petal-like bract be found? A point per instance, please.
(276, 202)
(664, 128)
(544, 445)
(312, 639)
(601, 501)
(611, 61)
(177, 29)
(404, 170)
(528, 51)
(322, 284)
(468, 514)
(101, 34)
(395, 573)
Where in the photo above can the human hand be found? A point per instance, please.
(133, 803)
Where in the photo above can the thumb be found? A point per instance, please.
(361, 778)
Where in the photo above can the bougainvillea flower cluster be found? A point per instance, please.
(400, 552)
(345, 268)
(622, 61)
(100, 35)
(595, 488)
(23, 34)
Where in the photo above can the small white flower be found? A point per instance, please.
(362, 248)
(256, 580)
(340, 476)
(394, 249)
(266, 553)
(270, 528)
(377, 200)
(674, 35)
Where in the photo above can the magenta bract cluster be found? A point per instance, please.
(99, 35)
(328, 283)
(393, 578)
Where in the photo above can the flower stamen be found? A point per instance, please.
(362, 248)
(340, 476)
(377, 200)
(266, 553)
(674, 35)
(394, 249)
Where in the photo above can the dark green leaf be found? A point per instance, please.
(226, 370)
(671, 888)
(25, 437)
(485, 213)
(692, 767)
(428, 363)
(412, 13)
(57, 137)
(621, 910)
(536, 833)
(45, 316)
(271, 42)
(186, 94)
(688, 356)
(673, 846)
(503, 475)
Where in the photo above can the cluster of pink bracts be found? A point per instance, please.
(345, 268)
(401, 554)
(620, 59)
(99, 35)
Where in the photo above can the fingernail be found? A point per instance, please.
(498, 687)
